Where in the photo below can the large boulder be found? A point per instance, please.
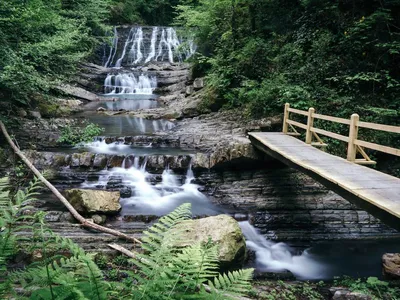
(94, 201)
(391, 265)
(224, 231)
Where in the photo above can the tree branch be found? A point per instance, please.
(71, 209)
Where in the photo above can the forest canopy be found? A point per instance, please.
(255, 54)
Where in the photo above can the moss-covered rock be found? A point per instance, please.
(94, 201)
(223, 231)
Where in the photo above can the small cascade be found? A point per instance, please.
(139, 47)
(129, 83)
(149, 197)
(278, 257)
(189, 174)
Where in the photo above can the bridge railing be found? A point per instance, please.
(354, 144)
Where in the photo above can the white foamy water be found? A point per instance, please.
(155, 199)
(164, 45)
(278, 257)
(129, 83)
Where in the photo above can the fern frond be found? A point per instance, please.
(231, 284)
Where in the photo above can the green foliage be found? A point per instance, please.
(167, 271)
(10, 217)
(261, 54)
(372, 286)
(42, 42)
(75, 135)
(149, 12)
(292, 291)
(65, 271)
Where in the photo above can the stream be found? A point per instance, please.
(130, 88)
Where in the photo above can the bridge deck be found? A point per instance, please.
(378, 189)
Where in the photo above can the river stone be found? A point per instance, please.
(116, 161)
(224, 231)
(348, 295)
(99, 219)
(85, 159)
(198, 83)
(74, 160)
(391, 265)
(94, 201)
(100, 161)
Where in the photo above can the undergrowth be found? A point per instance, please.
(62, 269)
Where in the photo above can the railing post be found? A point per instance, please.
(310, 123)
(353, 134)
(285, 118)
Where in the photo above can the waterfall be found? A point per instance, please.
(154, 199)
(139, 47)
(127, 42)
(113, 49)
(278, 257)
(135, 54)
(129, 83)
(152, 53)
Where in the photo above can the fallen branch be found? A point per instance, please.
(125, 251)
(72, 210)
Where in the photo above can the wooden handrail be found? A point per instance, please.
(354, 144)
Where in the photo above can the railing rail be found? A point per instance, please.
(354, 145)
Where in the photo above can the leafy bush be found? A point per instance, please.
(75, 135)
(372, 286)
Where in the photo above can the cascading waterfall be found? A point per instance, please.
(129, 83)
(164, 45)
(278, 257)
(155, 199)
(172, 191)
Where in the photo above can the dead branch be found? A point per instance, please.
(71, 209)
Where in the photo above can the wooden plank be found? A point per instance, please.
(382, 127)
(297, 124)
(330, 134)
(379, 189)
(332, 119)
(377, 147)
(298, 111)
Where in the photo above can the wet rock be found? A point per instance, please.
(85, 159)
(286, 275)
(35, 114)
(67, 217)
(101, 109)
(114, 183)
(126, 192)
(75, 158)
(189, 90)
(198, 83)
(116, 161)
(140, 218)
(99, 219)
(77, 92)
(223, 231)
(100, 161)
(391, 265)
(345, 294)
(94, 201)
(53, 216)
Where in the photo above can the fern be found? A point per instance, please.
(60, 277)
(10, 216)
(167, 271)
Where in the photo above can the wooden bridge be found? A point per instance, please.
(374, 191)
